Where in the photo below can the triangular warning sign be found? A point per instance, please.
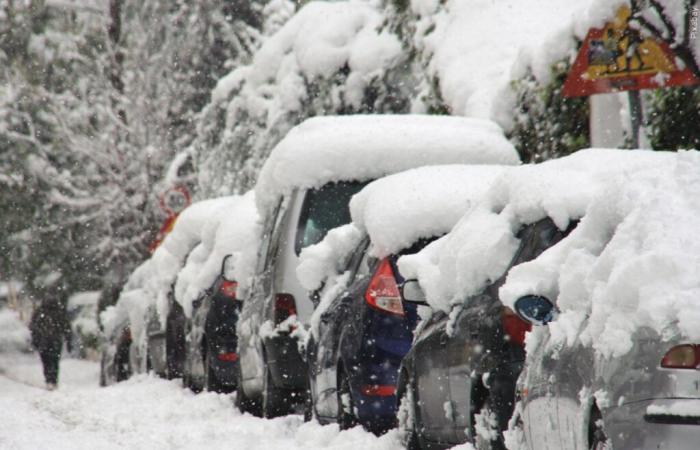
(618, 58)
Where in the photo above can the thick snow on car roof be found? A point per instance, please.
(631, 263)
(480, 247)
(396, 211)
(234, 231)
(363, 147)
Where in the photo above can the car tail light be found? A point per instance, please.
(686, 356)
(229, 288)
(514, 327)
(378, 390)
(285, 307)
(230, 357)
(383, 292)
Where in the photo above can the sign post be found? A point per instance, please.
(619, 58)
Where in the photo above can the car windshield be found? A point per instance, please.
(324, 209)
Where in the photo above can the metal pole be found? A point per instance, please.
(636, 117)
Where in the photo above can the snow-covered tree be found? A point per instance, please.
(328, 58)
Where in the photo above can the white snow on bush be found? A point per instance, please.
(363, 147)
(14, 334)
(632, 262)
(480, 247)
(472, 45)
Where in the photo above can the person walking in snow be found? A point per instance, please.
(49, 325)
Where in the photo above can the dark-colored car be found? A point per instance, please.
(211, 346)
(355, 354)
(457, 383)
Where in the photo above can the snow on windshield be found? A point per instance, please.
(632, 262)
(325, 149)
(480, 247)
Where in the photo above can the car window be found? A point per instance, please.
(324, 209)
(538, 237)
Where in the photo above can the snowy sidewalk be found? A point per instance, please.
(144, 413)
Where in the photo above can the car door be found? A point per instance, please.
(331, 326)
(431, 380)
(465, 348)
(250, 346)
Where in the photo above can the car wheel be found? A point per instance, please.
(346, 405)
(597, 438)
(243, 402)
(407, 418)
(487, 430)
(275, 401)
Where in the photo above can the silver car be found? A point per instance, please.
(573, 398)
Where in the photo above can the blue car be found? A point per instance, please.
(355, 353)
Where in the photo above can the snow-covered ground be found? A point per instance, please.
(144, 413)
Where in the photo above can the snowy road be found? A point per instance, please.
(144, 413)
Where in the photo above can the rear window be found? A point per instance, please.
(324, 209)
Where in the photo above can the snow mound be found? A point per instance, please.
(363, 147)
(561, 189)
(233, 230)
(631, 263)
(14, 334)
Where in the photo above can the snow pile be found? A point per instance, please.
(14, 334)
(480, 247)
(82, 306)
(632, 262)
(324, 149)
(233, 230)
(327, 258)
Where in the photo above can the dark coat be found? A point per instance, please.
(49, 325)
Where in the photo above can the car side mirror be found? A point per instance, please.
(227, 268)
(535, 309)
(413, 293)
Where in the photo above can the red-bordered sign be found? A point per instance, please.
(619, 58)
(173, 202)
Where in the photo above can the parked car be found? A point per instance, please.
(458, 381)
(211, 348)
(363, 328)
(615, 364)
(303, 191)
(465, 364)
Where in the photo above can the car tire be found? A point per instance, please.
(346, 405)
(488, 435)
(243, 402)
(406, 417)
(597, 439)
(275, 401)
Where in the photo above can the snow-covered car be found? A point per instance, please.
(157, 299)
(362, 327)
(458, 381)
(615, 357)
(302, 192)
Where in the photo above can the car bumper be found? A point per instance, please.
(661, 424)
